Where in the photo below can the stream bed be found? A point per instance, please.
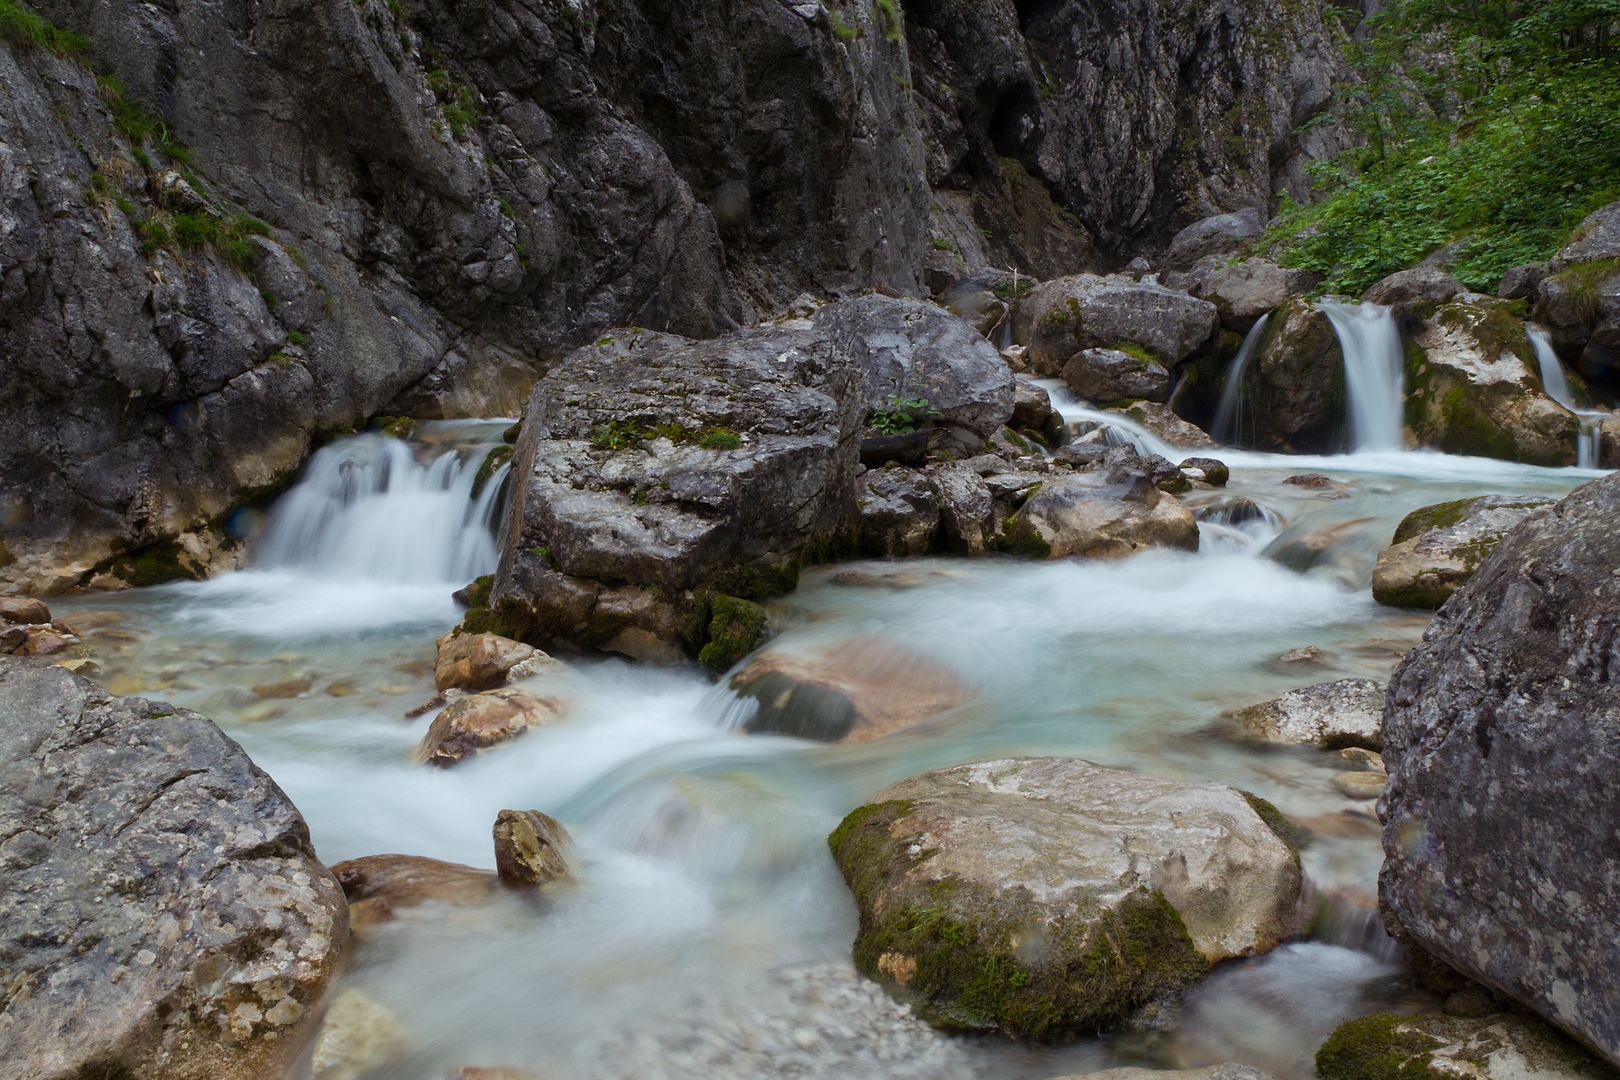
(709, 932)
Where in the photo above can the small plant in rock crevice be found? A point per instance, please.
(903, 415)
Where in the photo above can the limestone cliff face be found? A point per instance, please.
(298, 214)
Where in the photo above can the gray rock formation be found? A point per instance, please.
(1497, 1046)
(1035, 896)
(1068, 315)
(1243, 293)
(1474, 392)
(653, 471)
(1428, 283)
(1330, 715)
(1109, 513)
(1578, 297)
(907, 350)
(1438, 548)
(1108, 375)
(1219, 235)
(164, 914)
(1296, 382)
(1502, 734)
(899, 512)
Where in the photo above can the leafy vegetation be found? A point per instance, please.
(1493, 127)
(903, 415)
(26, 30)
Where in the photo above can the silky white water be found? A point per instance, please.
(709, 935)
(1589, 447)
(1374, 373)
(1228, 426)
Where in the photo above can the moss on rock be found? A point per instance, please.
(972, 959)
(492, 463)
(154, 564)
(737, 628)
(1387, 1046)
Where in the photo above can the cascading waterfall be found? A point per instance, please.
(1229, 413)
(1589, 443)
(367, 508)
(1374, 373)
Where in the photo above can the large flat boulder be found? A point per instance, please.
(1474, 392)
(1437, 548)
(163, 913)
(907, 350)
(1068, 315)
(1038, 896)
(653, 471)
(1502, 740)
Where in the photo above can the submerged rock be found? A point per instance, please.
(1503, 1046)
(1068, 315)
(1038, 896)
(357, 1035)
(479, 721)
(1502, 735)
(164, 914)
(1473, 391)
(854, 692)
(477, 661)
(1438, 548)
(379, 886)
(1330, 715)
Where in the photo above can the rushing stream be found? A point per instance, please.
(710, 933)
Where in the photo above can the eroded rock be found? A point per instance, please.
(378, 887)
(1036, 896)
(164, 913)
(1502, 734)
(1108, 375)
(1438, 548)
(899, 512)
(477, 661)
(1330, 715)
(479, 721)
(531, 849)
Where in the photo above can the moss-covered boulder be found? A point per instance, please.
(1294, 386)
(736, 628)
(1038, 896)
(1433, 1046)
(1437, 548)
(1471, 390)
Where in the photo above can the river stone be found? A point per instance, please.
(1104, 514)
(853, 692)
(1033, 412)
(24, 609)
(652, 470)
(1331, 715)
(1474, 392)
(479, 721)
(899, 512)
(1295, 382)
(477, 661)
(1501, 1046)
(531, 849)
(1161, 420)
(966, 508)
(163, 914)
(1110, 375)
(907, 349)
(378, 887)
(1502, 735)
(1409, 286)
(1038, 896)
(1064, 316)
(1438, 548)
(1228, 1071)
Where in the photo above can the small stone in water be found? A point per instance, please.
(288, 689)
(1307, 654)
(342, 688)
(530, 848)
(1360, 760)
(1361, 785)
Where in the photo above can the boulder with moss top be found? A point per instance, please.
(1438, 548)
(1434, 1046)
(1113, 374)
(1068, 315)
(1471, 390)
(1041, 896)
(653, 472)
(1294, 386)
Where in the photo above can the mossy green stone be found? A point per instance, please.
(737, 628)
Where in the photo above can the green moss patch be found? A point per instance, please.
(736, 628)
(969, 958)
(492, 463)
(1391, 1047)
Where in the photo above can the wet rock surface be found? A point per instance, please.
(477, 661)
(1499, 1046)
(1296, 382)
(1109, 375)
(852, 693)
(1068, 315)
(1330, 715)
(1438, 548)
(1004, 896)
(1109, 512)
(1512, 693)
(164, 912)
(473, 724)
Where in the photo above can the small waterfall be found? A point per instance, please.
(1552, 372)
(1229, 413)
(366, 508)
(1374, 373)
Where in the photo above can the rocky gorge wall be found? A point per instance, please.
(230, 231)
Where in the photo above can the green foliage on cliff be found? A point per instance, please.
(1494, 126)
(26, 30)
